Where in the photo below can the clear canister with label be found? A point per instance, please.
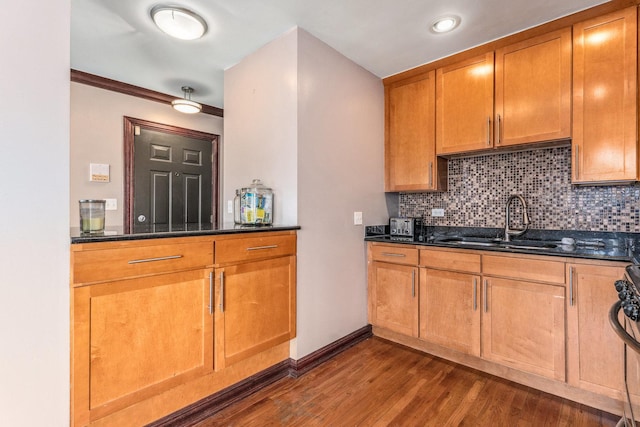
(256, 204)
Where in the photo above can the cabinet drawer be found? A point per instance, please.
(395, 254)
(251, 248)
(119, 262)
(450, 260)
(527, 269)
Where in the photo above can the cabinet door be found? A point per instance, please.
(533, 90)
(450, 310)
(393, 297)
(410, 154)
(135, 338)
(604, 98)
(595, 353)
(523, 326)
(255, 308)
(464, 106)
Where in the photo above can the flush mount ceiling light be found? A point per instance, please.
(186, 105)
(445, 24)
(179, 22)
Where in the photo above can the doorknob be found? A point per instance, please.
(142, 218)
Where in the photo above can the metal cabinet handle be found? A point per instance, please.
(413, 284)
(486, 301)
(163, 258)
(211, 292)
(222, 292)
(499, 130)
(259, 248)
(571, 286)
(431, 174)
(392, 254)
(475, 294)
(489, 131)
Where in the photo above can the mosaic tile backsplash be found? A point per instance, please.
(479, 188)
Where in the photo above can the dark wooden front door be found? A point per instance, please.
(173, 178)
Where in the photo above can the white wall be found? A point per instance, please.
(260, 125)
(34, 218)
(310, 123)
(340, 171)
(97, 136)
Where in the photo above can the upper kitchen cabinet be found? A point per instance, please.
(604, 99)
(532, 96)
(464, 106)
(410, 155)
(533, 90)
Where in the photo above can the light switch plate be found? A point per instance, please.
(357, 218)
(437, 212)
(111, 205)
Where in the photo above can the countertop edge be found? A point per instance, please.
(583, 255)
(186, 233)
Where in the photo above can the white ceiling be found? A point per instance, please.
(118, 40)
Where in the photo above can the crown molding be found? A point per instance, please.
(137, 91)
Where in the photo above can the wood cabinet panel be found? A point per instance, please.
(136, 338)
(524, 268)
(450, 260)
(464, 106)
(605, 99)
(254, 248)
(523, 326)
(393, 297)
(255, 308)
(394, 253)
(115, 261)
(533, 90)
(410, 154)
(595, 353)
(450, 310)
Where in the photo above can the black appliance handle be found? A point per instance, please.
(619, 329)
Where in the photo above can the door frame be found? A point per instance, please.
(129, 134)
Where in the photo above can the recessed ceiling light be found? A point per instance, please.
(445, 24)
(178, 22)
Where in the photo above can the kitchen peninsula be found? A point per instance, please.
(161, 320)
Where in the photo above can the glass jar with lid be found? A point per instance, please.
(256, 204)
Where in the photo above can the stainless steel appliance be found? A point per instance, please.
(405, 229)
(629, 329)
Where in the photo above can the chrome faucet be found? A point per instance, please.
(508, 232)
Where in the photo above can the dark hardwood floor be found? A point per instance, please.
(379, 383)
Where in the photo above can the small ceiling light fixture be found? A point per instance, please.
(186, 105)
(445, 24)
(179, 22)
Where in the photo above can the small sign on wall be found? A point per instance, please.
(98, 172)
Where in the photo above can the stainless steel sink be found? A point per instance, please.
(538, 245)
(529, 245)
(470, 241)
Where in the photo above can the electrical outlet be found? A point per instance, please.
(357, 218)
(111, 205)
(437, 212)
(230, 206)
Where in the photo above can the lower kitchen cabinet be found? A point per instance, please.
(523, 326)
(450, 309)
(595, 353)
(255, 308)
(393, 287)
(135, 338)
(154, 322)
(393, 290)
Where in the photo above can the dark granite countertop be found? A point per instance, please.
(611, 246)
(114, 234)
